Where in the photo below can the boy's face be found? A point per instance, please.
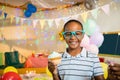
(73, 35)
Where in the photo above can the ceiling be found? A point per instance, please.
(49, 4)
(11, 6)
(39, 3)
(43, 5)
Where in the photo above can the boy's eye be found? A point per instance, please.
(68, 33)
(78, 33)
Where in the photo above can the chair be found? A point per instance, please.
(12, 59)
(2, 66)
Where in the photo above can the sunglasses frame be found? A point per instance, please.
(73, 33)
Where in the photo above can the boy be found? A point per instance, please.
(76, 63)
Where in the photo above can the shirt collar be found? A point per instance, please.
(82, 54)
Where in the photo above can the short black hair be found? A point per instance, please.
(72, 20)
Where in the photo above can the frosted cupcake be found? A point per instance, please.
(55, 57)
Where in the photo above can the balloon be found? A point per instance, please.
(61, 36)
(37, 78)
(97, 29)
(85, 41)
(48, 72)
(31, 8)
(97, 38)
(40, 78)
(105, 69)
(10, 69)
(27, 13)
(11, 76)
(0, 77)
(89, 27)
(93, 49)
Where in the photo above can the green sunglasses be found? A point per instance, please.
(68, 34)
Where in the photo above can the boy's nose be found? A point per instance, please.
(73, 36)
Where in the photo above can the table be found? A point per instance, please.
(37, 77)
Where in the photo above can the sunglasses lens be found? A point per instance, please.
(79, 34)
(68, 35)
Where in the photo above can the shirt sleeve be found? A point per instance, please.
(97, 68)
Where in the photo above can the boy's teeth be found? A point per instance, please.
(73, 42)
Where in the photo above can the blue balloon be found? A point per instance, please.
(33, 9)
(29, 6)
(27, 13)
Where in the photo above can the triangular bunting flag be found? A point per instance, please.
(29, 22)
(35, 23)
(11, 18)
(50, 22)
(42, 22)
(22, 20)
(57, 21)
(37, 41)
(53, 37)
(3, 7)
(84, 16)
(0, 12)
(106, 9)
(65, 19)
(5, 15)
(17, 20)
(80, 18)
(75, 17)
(94, 13)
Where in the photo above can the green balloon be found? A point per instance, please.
(89, 27)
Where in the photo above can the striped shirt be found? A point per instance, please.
(81, 67)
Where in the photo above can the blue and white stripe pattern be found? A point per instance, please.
(81, 67)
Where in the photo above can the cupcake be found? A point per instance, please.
(55, 57)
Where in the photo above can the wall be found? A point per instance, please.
(27, 38)
(111, 44)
